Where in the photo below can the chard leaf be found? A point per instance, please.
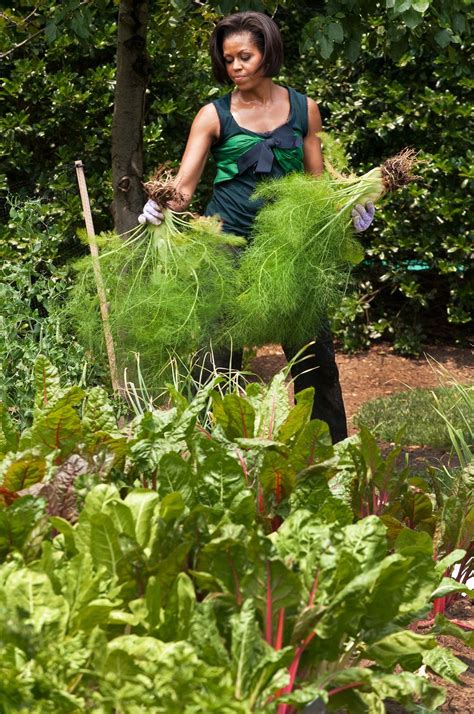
(444, 626)
(96, 501)
(456, 523)
(179, 401)
(305, 623)
(67, 531)
(312, 492)
(277, 475)
(367, 540)
(301, 537)
(32, 596)
(23, 469)
(387, 593)
(120, 664)
(98, 498)
(258, 444)
(122, 518)
(272, 586)
(234, 414)
(89, 594)
(245, 648)
(186, 421)
(170, 678)
(172, 507)
(298, 417)
(154, 437)
(17, 523)
(225, 558)
(242, 509)
(313, 446)
(57, 429)
(272, 662)
(176, 475)
(59, 490)
(448, 586)
(203, 629)
(308, 694)
(220, 475)
(98, 415)
(404, 687)
(153, 602)
(410, 541)
(394, 527)
(104, 544)
(443, 662)
(94, 613)
(417, 507)
(167, 568)
(454, 557)
(272, 408)
(405, 648)
(179, 610)
(420, 571)
(47, 384)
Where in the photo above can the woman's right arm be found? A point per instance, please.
(204, 132)
(205, 129)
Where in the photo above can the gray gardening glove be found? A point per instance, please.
(362, 216)
(151, 213)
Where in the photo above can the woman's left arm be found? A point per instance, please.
(362, 216)
(313, 157)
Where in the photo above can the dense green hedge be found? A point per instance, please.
(59, 90)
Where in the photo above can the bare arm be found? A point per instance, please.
(313, 158)
(204, 130)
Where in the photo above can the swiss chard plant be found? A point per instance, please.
(221, 564)
(147, 602)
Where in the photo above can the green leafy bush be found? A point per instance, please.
(33, 283)
(384, 78)
(238, 582)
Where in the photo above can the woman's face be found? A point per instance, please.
(243, 59)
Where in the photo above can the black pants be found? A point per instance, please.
(316, 367)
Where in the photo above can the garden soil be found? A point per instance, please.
(380, 372)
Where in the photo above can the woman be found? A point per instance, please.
(242, 129)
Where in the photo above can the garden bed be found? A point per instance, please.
(380, 372)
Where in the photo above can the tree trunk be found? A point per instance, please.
(133, 69)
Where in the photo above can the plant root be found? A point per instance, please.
(397, 170)
(161, 187)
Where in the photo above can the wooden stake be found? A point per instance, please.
(104, 310)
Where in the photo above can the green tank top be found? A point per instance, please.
(244, 157)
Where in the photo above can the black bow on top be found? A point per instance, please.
(261, 154)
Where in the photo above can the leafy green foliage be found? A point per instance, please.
(239, 577)
(415, 284)
(33, 282)
(296, 266)
(415, 50)
(166, 290)
(346, 29)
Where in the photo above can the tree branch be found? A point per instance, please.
(35, 34)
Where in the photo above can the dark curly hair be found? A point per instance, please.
(265, 35)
